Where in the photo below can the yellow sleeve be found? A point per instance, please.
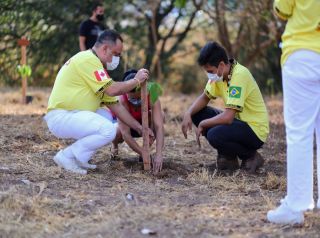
(98, 79)
(95, 76)
(283, 8)
(237, 92)
(210, 90)
(107, 100)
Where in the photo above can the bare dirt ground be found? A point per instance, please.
(38, 199)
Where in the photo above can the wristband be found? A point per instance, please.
(138, 82)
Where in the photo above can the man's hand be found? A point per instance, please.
(186, 124)
(199, 132)
(157, 162)
(151, 140)
(151, 136)
(142, 75)
(150, 132)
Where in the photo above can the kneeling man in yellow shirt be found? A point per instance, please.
(81, 86)
(243, 127)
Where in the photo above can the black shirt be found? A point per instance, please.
(91, 30)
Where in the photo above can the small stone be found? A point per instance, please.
(26, 181)
(146, 231)
(130, 196)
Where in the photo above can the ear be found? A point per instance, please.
(221, 68)
(105, 48)
(222, 64)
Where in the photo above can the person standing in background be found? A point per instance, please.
(300, 63)
(91, 28)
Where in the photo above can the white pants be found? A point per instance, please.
(92, 130)
(301, 88)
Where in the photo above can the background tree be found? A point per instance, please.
(52, 28)
(249, 32)
(164, 36)
(166, 25)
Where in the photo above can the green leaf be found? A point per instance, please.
(155, 91)
(24, 70)
(180, 3)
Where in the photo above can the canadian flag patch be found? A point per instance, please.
(101, 75)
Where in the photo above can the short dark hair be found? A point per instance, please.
(128, 75)
(212, 53)
(108, 36)
(96, 5)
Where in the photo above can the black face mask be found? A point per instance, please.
(100, 17)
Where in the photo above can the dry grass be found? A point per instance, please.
(37, 199)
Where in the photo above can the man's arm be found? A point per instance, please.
(120, 88)
(82, 45)
(224, 118)
(126, 133)
(131, 142)
(158, 126)
(199, 104)
(122, 113)
(283, 9)
(157, 118)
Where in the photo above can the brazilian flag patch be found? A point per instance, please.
(234, 92)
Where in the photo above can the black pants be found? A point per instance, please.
(236, 139)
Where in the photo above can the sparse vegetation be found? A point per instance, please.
(37, 199)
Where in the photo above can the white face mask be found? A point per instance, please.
(114, 63)
(214, 77)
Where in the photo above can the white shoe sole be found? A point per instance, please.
(86, 165)
(272, 217)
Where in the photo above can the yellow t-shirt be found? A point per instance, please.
(303, 26)
(80, 84)
(242, 94)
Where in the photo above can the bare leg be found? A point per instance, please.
(118, 140)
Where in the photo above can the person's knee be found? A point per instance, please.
(203, 114)
(193, 118)
(118, 139)
(214, 139)
(109, 131)
(196, 119)
(214, 142)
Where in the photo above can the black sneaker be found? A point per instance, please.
(227, 162)
(253, 164)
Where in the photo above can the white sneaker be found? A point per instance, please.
(284, 215)
(68, 164)
(86, 165)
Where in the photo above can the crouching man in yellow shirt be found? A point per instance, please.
(81, 86)
(242, 128)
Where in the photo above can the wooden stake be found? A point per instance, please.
(23, 42)
(145, 126)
